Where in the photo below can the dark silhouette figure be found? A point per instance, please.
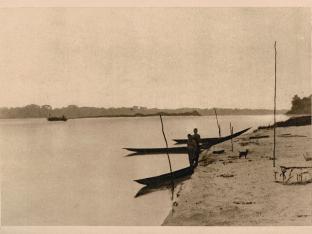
(191, 149)
(196, 138)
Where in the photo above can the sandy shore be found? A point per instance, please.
(228, 190)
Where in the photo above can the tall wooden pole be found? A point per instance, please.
(219, 128)
(231, 132)
(274, 126)
(163, 132)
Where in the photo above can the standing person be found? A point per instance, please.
(196, 138)
(191, 149)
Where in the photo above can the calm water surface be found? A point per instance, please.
(75, 173)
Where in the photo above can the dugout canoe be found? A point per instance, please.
(166, 179)
(144, 151)
(213, 141)
(181, 149)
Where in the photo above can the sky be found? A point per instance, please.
(154, 57)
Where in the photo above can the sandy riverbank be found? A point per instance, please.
(227, 190)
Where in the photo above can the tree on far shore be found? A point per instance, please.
(300, 105)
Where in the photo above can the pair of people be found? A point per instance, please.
(193, 148)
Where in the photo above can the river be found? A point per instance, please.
(76, 172)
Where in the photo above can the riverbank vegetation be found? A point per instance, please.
(73, 111)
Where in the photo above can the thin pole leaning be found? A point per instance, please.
(217, 122)
(163, 132)
(231, 132)
(274, 126)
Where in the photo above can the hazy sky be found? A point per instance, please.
(155, 57)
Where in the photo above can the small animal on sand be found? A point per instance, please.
(243, 153)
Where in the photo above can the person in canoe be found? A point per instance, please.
(196, 138)
(191, 149)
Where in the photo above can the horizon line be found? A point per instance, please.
(136, 106)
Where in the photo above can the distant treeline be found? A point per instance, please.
(300, 105)
(73, 111)
(292, 121)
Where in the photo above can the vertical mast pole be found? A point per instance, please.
(274, 126)
(219, 128)
(231, 132)
(163, 132)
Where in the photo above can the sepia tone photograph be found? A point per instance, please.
(168, 116)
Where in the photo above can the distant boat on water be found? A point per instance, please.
(63, 118)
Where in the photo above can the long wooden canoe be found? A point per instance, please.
(171, 150)
(181, 149)
(202, 140)
(166, 179)
(165, 184)
(213, 141)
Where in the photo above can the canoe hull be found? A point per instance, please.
(172, 150)
(166, 179)
(213, 141)
(202, 140)
(181, 149)
(153, 188)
